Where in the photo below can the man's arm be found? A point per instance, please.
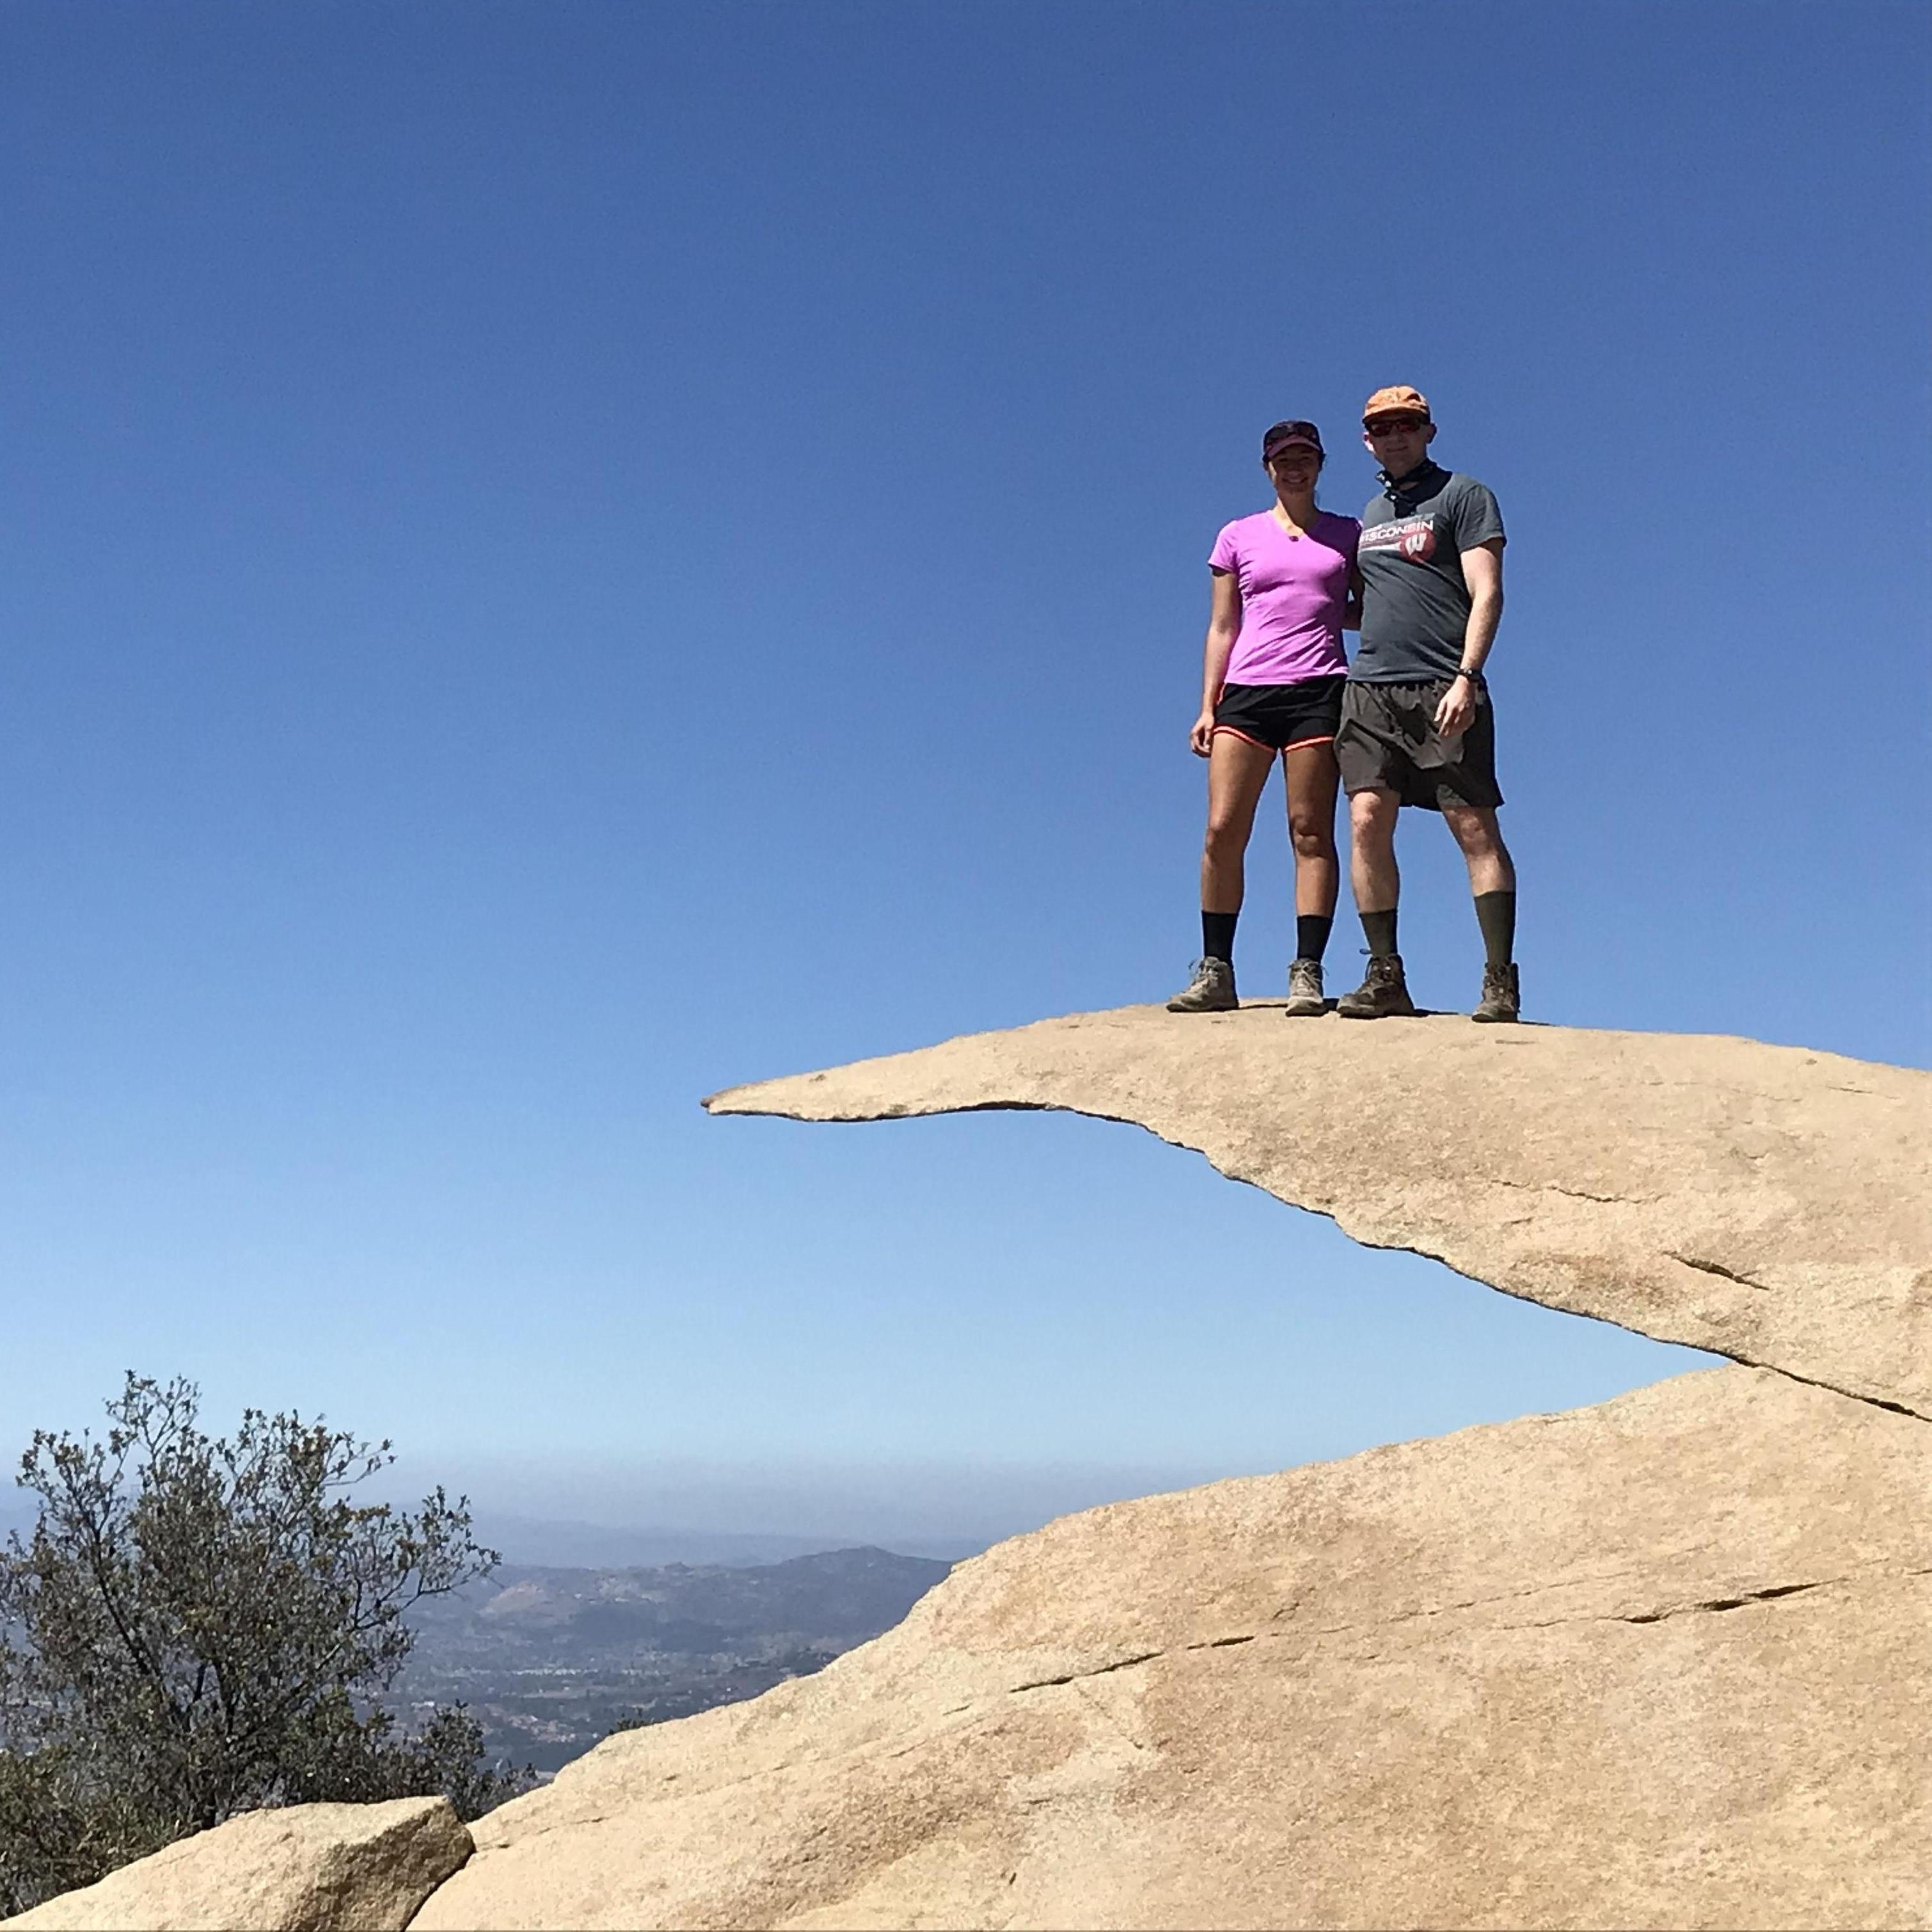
(1483, 573)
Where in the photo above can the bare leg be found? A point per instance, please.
(1475, 830)
(1372, 872)
(1312, 778)
(1372, 866)
(1236, 771)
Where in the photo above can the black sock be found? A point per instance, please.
(1495, 913)
(1217, 935)
(1311, 934)
(1379, 929)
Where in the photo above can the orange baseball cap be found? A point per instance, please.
(1400, 400)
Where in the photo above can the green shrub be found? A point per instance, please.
(199, 1627)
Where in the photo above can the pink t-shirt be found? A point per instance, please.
(1293, 591)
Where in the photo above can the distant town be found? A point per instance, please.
(551, 1661)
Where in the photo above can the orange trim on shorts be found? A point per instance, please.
(1241, 734)
(1327, 738)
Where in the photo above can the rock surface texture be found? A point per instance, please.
(1660, 1663)
(1767, 1203)
(309, 1868)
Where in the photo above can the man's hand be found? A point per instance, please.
(1457, 710)
(1200, 738)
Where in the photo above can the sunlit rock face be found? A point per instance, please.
(1767, 1203)
(1658, 1662)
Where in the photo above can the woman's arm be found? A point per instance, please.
(1224, 625)
(1351, 611)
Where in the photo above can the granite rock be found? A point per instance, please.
(1658, 1662)
(303, 1868)
(1770, 1203)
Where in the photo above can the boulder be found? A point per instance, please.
(1768, 1203)
(1658, 1662)
(305, 1868)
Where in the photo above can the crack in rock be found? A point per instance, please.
(1723, 1272)
(1706, 1606)
(1099, 1670)
(1711, 1604)
(1576, 1193)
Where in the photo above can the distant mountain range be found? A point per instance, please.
(546, 1543)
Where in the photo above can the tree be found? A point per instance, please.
(199, 1627)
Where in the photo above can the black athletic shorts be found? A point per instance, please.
(1387, 742)
(1281, 716)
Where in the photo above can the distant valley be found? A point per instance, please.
(551, 1659)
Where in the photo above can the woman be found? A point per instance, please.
(1284, 586)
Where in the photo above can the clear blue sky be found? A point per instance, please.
(556, 557)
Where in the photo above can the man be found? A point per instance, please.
(1417, 727)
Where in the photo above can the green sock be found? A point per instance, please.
(1495, 913)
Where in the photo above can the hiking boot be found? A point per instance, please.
(1211, 991)
(1304, 989)
(1383, 992)
(1500, 1000)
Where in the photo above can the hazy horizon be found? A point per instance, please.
(572, 1512)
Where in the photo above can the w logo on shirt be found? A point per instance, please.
(1419, 544)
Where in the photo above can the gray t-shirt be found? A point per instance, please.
(1415, 606)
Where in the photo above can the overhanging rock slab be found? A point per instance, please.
(1768, 1203)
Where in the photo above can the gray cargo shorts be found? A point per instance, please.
(1387, 742)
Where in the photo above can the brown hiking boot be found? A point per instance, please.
(1211, 991)
(1500, 1001)
(1383, 993)
(1304, 989)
